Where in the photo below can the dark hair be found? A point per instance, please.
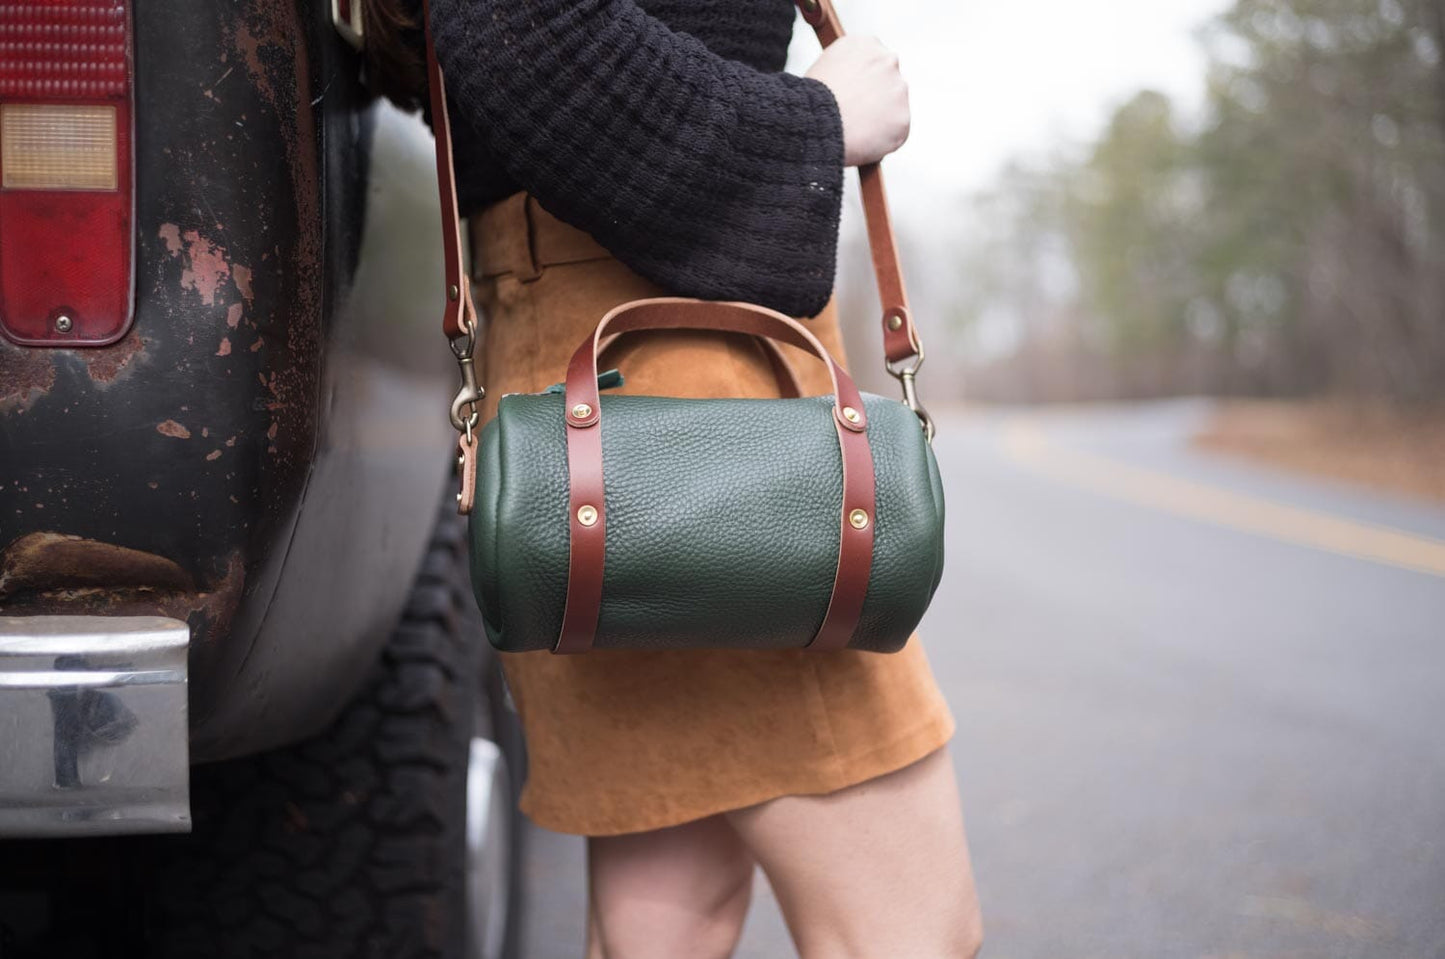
(394, 53)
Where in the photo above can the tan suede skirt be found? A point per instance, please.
(623, 741)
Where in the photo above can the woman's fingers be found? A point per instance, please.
(871, 93)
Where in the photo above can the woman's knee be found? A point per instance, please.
(680, 892)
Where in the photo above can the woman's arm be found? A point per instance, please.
(702, 174)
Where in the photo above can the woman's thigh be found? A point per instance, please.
(678, 893)
(877, 869)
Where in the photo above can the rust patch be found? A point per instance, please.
(213, 455)
(208, 266)
(249, 46)
(107, 363)
(171, 234)
(242, 276)
(172, 428)
(269, 41)
(225, 348)
(49, 561)
(208, 612)
(25, 376)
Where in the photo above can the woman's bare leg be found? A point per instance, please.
(877, 869)
(679, 893)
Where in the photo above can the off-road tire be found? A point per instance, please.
(351, 844)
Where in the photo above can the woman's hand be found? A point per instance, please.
(872, 97)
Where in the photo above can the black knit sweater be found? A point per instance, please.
(661, 127)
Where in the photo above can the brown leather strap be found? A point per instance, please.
(587, 553)
(586, 503)
(855, 546)
(459, 316)
(822, 18)
(900, 336)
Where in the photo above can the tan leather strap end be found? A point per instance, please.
(467, 472)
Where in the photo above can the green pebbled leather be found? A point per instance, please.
(723, 520)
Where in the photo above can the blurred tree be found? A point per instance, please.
(1294, 243)
(1325, 167)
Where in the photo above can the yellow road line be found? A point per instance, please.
(1025, 443)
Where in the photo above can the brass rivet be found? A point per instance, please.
(850, 414)
(587, 515)
(858, 518)
(453, 292)
(895, 322)
(63, 324)
(581, 411)
(810, 7)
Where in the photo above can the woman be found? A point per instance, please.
(614, 149)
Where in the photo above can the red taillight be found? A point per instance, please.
(67, 195)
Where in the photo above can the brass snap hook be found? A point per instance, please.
(464, 413)
(907, 375)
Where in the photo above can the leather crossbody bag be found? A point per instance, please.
(651, 522)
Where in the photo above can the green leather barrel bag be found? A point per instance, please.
(723, 517)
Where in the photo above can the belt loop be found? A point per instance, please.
(527, 268)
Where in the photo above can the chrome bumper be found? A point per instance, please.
(93, 731)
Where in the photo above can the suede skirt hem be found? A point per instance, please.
(824, 775)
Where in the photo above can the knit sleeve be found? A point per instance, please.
(704, 175)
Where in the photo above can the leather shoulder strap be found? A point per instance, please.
(900, 336)
(459, 316)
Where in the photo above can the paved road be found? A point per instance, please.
(1201, 705)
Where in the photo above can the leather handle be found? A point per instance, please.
(900, 336)
(679, 313)
(587, 488)
(789, 386)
